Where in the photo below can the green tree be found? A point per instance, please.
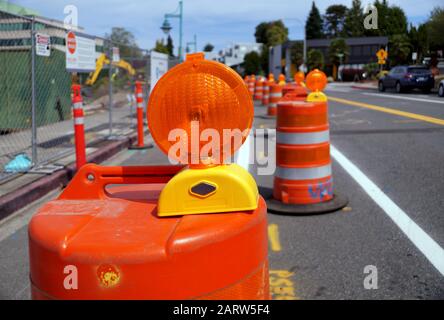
(338, 51)
(208, 47)
(399, 49)
(353, 24)
(418, 38)
(391, 20)
(276, 34)
(124, 40)
(161, 47)
(435, 27)
(252, 63)
(313, 25)
(315, 59)
(396, 21)
(334, 20)
(170, 46)
(270, 34)
(297, 53)
(337, 54)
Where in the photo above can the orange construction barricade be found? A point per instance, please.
(303, 181)
(251, 84)
(266, 95)
(160, 232)
(275, 96)
(259, 89)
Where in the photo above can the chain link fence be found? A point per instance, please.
(36, 126)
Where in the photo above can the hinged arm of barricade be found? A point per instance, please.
(90, 181)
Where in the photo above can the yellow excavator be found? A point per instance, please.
(103, 60)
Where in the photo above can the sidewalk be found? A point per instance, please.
(365, 85)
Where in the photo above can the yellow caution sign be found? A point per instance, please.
(382, 56)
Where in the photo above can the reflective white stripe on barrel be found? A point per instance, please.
(276, 95)
(302, 138)
(272, 105)
(139, 95)
(79, 120)
(77, 105)
(139, 105)
(303, 173)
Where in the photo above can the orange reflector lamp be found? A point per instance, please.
(299, 77)
(316, 81)
(199, 114)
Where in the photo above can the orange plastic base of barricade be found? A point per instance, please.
(303, 191)
(102, 239)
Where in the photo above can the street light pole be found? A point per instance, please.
(166, 27)
(194, 43)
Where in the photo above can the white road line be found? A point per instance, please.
(243, 155)
(431, 250)
(402, 98)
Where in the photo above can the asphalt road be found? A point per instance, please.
(398, 229)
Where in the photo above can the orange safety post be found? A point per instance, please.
(303, 181)
(266, 93)
(79, 125)
(251, 84)
(140, 131)
(105, 236)
(259, 90)
(275, 96)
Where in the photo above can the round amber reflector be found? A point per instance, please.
(194, 100)
(299, 77)
(316, 80)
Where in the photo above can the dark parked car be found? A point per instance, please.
(406, 78)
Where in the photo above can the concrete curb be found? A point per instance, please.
(20, 198)
(364, 88)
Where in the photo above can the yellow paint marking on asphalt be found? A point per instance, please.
(282, 286)
(273, 236)
(389, 110)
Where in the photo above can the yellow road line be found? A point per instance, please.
(273, 236)
(389, 110)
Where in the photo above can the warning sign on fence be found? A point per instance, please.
(42, 45)
(80, 53)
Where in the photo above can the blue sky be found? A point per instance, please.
(217, 21)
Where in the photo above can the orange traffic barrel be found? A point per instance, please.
(302, 153)
(288, 88)
(259, 89)
(109, 235)
(103, 241)
(295, 93)
(303, 181)
(266, 95)
(275, 96)
(251, 85)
